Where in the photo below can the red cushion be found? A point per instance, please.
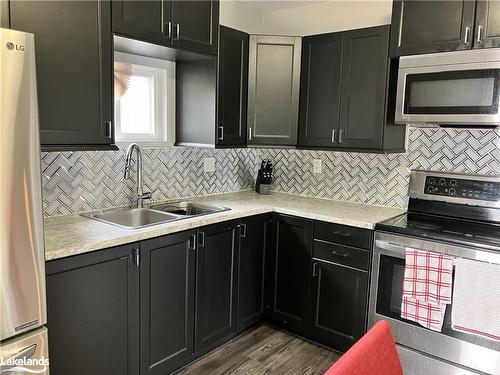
(374, 354)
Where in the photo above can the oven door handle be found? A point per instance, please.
(389, 246)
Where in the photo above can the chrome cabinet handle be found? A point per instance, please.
(343, 234)
(109, 129)
(169, 30)
(339, 254)
(315, 270)
(178, 31)
(341, 136)
(243, 232)
(221, 132)
(466, 37)
(201, 239)
(479, 30)
(249, 134)
(136, 256)
(333, 135)
(192, 241)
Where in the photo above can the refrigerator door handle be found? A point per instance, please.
(25, 353)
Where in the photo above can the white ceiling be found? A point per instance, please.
(274, 6)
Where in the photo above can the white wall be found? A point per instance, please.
(319, 17)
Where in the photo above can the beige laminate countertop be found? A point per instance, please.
(75, 234)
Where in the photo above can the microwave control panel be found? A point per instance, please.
(462, 188)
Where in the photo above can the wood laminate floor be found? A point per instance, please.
(264, 350)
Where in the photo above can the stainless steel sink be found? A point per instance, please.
(189, 209)
(134, 218)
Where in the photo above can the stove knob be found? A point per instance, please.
(452, 191)
(430, 189)
(432, 181)
(442, 182)
(453, 183)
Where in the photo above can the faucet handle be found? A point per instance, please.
(146, 195)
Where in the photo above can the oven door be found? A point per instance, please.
(453, 92)
(385, 304)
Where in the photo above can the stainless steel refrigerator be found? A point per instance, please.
(23, 336)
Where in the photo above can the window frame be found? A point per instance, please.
(163, 73)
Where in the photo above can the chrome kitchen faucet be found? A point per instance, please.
(140, 194)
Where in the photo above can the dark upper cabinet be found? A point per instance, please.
(290, 267)
(141, 20)
(190, 25)
(215, 316)
(233, 87)
(93, 318)
(273, 90)
(338, 303)
(252, 249)
(348, 92)
(4, 14)
(167, 302)
(195, 25)
(74, 74)
(363, 93)
(487, 28)
(320, 90)
(431, 26)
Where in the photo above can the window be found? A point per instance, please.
(144, 99)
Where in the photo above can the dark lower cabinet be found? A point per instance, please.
(167, 302)
(431, 26)
(93, 314)
(252, 249)
(74, 71)
(487, 33)
(233, 88)
(290, 265)
(215, 315)
(338, 303)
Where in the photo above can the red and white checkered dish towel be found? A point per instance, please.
(427, 287)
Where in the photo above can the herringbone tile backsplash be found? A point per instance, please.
(84, 181)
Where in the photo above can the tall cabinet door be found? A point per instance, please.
(364, 76)
(140, 19)
(167, 302)
(215, 318)
(290, 266)
(253, 233)
(195, 25)
(233, 87)
(93, 315)
(487, 33)
(74, 69)
(431, 26)
(339, 302)
(273, 90)
(320, 90)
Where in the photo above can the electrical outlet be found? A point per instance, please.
(317, 166)
(208, 165)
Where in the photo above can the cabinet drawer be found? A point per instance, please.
(343, 234)
(346, 255)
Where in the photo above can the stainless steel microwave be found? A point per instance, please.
(451, 88)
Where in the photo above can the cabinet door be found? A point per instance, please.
(420, 26)
(233, 87)
(291, 272)
(487, 33)
(195, 25)
(167, 302)
(140, 19)
(251, 272)
(320, 90)
(215, 286)
(273, 90)
(364, 77)
(339, 302)
(93, 313)
(74, 69)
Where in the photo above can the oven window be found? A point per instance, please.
(455, 92)
(390, 295)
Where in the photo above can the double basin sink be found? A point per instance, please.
(136, 218)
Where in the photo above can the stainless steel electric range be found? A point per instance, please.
(448, 213)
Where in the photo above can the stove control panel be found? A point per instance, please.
(462, 188)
